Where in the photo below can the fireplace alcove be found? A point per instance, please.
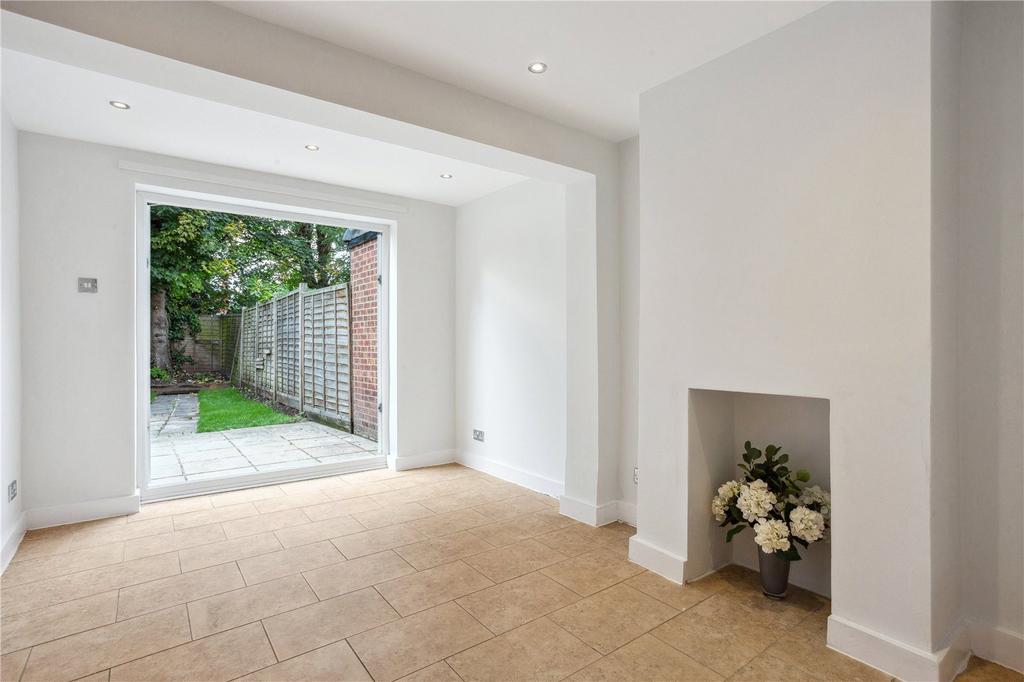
(719, 423)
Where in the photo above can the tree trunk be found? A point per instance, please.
(324, 252)
(159, 340)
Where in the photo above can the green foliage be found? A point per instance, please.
(159, 374)
(221, 409)
(733, 531)
(772, 470)
(770, 467)
(210, 262)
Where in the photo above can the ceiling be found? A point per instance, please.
(53, 98)
(601, 55)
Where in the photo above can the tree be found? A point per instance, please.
(205, 262)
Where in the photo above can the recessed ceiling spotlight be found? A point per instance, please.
(123, 106)
(446, 176)
(313, 147)
(537, 67)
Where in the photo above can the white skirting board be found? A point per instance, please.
(594, 515)
(426, 459)
(535, 482)
(62, 514)
(12, 541)
(657, 560)
(894, 657)
(908, 663)
(998, 645)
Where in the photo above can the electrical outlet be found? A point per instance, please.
(12, 490)
(478, 435)
(636, 475)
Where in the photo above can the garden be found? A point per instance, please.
(207, 266)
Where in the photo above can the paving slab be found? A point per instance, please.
(180, 454)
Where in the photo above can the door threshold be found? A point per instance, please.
(259, 479)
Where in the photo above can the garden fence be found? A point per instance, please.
(295, 350)
(212, 350)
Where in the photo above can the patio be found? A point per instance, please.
(178, 454)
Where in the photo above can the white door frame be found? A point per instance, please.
(145, 195)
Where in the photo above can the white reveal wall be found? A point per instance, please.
(990, 341)
(510, 334)
(77, 219)
(11, 520)
(786, 247)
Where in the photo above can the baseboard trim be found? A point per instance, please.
(584, 512)
(998, 645)
(887, 654)
(535, 482)
(627, 512)
(657, 560)
(427, 459)
(954, 658)
(12, 541)
(62, 514)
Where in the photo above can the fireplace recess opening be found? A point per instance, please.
(720, 421)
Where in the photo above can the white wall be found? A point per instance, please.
(785, 205)
(266, 54)
(630, 235)
(945, 454)
(510, 334)
(11, 522)
(77, 219)
(991, 344)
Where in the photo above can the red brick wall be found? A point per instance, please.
(363, 320)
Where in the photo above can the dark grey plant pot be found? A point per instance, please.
(774, 574)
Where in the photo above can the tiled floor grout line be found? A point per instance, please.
(404, 523)
(188, 616)
(266, 634)
(220, 524)
(354, 652)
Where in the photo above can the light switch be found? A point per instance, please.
(87, 285)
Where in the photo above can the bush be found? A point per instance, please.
(159, 374)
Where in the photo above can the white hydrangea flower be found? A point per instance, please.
(807, 524)
(755, 500)
(771, 535)
(815, 495)
(719, 507)
(729, 490)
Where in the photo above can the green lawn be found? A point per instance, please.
(221, 409)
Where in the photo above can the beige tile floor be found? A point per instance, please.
(433, 574)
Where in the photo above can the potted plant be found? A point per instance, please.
(783, 513)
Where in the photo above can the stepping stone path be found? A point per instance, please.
(173, 415)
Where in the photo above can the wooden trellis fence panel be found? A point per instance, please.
(213, 348)
(295, 350)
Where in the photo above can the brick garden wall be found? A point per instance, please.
(363, 318)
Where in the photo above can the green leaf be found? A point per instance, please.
(791, 554)
(734, 531)
(783, 458)
(803, 475)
